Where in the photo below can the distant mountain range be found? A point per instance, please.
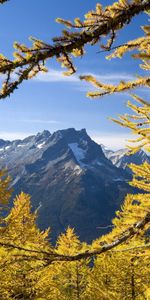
(121, 159)
(72, 180)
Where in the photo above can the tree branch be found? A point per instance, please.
(133, 248)
(72, 42)
(2, 1)
(50, 257)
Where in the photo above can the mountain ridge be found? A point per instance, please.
(69, 178)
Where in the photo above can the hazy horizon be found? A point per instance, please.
(113, 142)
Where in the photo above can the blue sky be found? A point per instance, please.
(55, 102)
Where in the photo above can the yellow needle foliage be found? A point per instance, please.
(98, 24)
(17, 281)
(142, 45)
(65, 280)
(116, 266)
(119, 275)
(139, 123)
(5, 190)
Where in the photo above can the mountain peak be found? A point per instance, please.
(83, 131)
(69, 175)
(72, 135)
(72, 130)
(121, 159)
(44, 133)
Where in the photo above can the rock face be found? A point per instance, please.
(121, 159)
(70, 180)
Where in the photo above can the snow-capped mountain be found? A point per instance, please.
(69, 178)
(121, 159)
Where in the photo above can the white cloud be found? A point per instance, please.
(36, 121)
(14, 135)
(40, 121)
(111, 78)
(112, 141)
(54, 75)
(114, 77)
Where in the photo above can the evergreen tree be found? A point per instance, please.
(18, 265)
(5, 191)
(65, 280)
(97, 24)
(30, 267)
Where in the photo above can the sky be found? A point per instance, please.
(51, 101)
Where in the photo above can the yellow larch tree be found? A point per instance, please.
(118, 275)
(18, 265)
(65, 280)
(5, 191)
(97, 24)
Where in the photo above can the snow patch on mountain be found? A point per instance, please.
(15, 181)
(40, 145)
(6, 148)
(21, 145)
(77, 169)
(118, 179)
(78, 152)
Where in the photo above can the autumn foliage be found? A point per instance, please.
(116, 265)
